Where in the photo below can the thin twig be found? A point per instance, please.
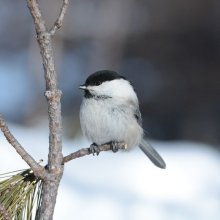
(87, 151)
(59, 21)
(4, 213)
(37, 169)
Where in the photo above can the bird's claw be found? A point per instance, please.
(94, 149)
(114, 146)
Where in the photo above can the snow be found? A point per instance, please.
(127, 186)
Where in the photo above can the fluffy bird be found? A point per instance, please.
(110, 114)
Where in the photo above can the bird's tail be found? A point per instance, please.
(152, 154)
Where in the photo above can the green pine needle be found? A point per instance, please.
(20, 194)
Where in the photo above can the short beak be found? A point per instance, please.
(82, 87)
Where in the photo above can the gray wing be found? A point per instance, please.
(145, 146)
(137, 115)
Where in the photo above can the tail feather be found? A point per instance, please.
(152, 154)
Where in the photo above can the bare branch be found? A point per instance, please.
(87, 151)
(37, 16)
(53, 95)
(4, 213)
(59, 21)
(37, 169)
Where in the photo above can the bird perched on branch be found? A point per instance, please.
(110, 114)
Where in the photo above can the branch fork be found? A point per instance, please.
(41, 37)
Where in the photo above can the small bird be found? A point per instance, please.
(110, 114)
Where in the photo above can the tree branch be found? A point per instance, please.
(4, 213)
(59, 21)
(38, 170)
(37, 16)
(53, 95)
(87, 151)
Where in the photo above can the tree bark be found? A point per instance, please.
(53, 95)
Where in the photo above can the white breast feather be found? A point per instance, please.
(112, 119)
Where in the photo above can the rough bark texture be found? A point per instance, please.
(53, 95)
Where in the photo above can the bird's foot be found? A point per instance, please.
(94, 149)
(114, 146)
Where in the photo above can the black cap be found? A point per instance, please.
(102, 76)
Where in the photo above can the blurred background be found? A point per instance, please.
(169, 49)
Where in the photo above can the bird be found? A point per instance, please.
(109, 114)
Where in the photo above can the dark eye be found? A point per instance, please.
(98, 83)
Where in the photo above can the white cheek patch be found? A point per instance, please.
(104, 89)
(93, 90)
(119, 88)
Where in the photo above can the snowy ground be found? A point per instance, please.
(127, 186)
